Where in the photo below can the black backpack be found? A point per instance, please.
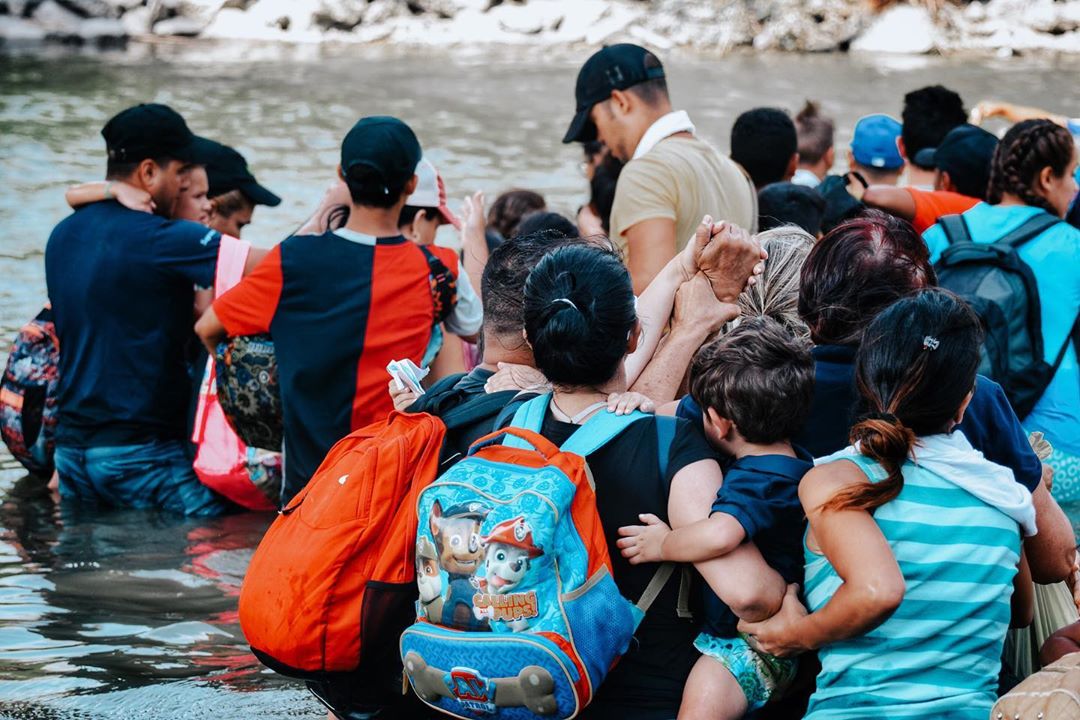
(1001, 289)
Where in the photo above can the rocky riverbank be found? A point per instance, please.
(711, 26)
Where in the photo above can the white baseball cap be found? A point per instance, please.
(431, 193)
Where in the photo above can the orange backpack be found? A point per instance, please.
(333, 583)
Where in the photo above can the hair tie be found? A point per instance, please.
(885, 416)
(930, 343)
(568, 301)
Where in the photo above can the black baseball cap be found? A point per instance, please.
(150, 130)
(966, 153)
(614, 67)
(227, 171)
(384, 144)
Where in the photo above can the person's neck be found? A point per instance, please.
(920, 177)
(649, 116)
(818, 169)
(572, 401)
(501, 349)
(1010, 200)
(741, 449)
(377, 222)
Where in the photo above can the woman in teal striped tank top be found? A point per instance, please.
(913, 545)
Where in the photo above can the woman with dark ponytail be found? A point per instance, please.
(1033, 175)
(581, 322)
(914, 538)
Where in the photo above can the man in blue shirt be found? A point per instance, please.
(122, 284)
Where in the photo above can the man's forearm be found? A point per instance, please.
(663, 376)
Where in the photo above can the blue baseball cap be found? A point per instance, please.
(874, 142)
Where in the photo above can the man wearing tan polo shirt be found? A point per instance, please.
(672, 178)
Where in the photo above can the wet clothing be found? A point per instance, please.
(647, 682)
(339, 307)
(121, 283)
(1053, 257)
(762, 493)
(939, 653)
(149, 475)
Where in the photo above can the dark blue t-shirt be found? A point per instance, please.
(990, 424)
(121, 283)
(762, 493)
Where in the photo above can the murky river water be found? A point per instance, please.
(133, 614)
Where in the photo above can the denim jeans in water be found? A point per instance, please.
(148, 475)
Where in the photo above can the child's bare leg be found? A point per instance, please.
(712, 693)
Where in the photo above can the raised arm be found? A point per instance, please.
(727, 258)
(873, 586)
(894, 200)
(474, 247)
(650, 244)
(127, 195)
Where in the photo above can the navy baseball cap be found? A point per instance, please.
(150, 130)
(874, 142)
(386, 145)
(227, 171)
(614, 67)
(966, 153)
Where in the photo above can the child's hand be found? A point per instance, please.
(776, 635)
(644, 543)
(627, 402)
(402, 398)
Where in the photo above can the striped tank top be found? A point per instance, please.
(939, 654)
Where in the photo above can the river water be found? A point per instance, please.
(131, 614)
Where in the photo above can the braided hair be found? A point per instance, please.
(1026, 149)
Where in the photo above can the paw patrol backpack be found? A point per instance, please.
(518, 614)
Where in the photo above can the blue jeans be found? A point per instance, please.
(149, 475)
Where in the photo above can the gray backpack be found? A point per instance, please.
(1001, 289)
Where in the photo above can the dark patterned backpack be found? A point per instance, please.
(28, 394)
(247, 385)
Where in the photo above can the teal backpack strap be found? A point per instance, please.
(530, 416)
(599, 430)
(665, 436)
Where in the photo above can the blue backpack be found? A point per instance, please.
(518, 615)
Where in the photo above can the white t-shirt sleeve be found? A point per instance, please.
(468, 314)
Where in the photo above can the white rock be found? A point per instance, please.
(100, 28)
(650, 39)
(55, 19)
(340, 13)
(381, 11)
(181, 25)
(616, 21)
(900, 29)
(16, 31)
(137, 20)
(124, 5)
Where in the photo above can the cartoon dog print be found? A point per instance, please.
(428, 580)
(457, 541)
(509, 552)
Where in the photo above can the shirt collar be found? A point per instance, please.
(838, 354)
(674, 122)
(365, 239)
(792, 467)
(356, 237)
